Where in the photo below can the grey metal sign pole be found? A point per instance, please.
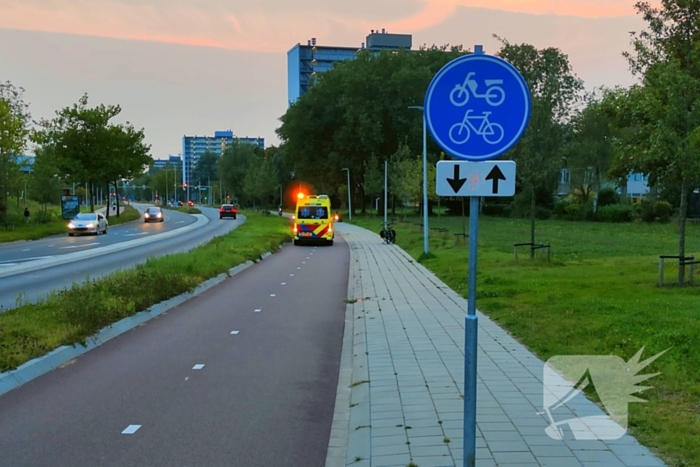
(471, 330)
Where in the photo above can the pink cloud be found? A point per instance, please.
(266, 25)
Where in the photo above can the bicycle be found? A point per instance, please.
(388, 234)
(491, 132)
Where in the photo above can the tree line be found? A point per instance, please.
(357, 116)
(80, 145)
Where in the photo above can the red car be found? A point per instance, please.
(190, 203)
(227, 210)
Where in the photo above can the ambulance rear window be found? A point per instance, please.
(313, 212)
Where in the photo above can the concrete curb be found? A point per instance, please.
(353, 353)
(72, 257)
(58, 357)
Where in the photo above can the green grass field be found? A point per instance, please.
(597, 296)
(71, 316)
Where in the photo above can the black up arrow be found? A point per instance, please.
(456, 183)
(495, 175)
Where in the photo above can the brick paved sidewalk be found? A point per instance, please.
(401, 382)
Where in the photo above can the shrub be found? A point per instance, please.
(614, 213)
(573, 211)
(560, 208)
(607, 197)
(663, 210)
(647, 211)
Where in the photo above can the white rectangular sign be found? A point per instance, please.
(464, 178)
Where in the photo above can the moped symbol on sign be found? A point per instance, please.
(477, 107)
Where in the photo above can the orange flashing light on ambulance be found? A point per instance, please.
(312, 220)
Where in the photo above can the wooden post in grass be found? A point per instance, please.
(661, 271)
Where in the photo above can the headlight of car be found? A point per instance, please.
(91, 225)
(71, 225)
(159, 215)
(147, 215)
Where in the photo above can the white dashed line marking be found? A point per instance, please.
(258, 310)
(198, 366)
(27, 249)
(79, 246)
(234, 332)
(303, 262)
(180, 222)
(298, 268)
(291, 275)
(136, 234)
(272, 295)
(284, 283)
(131, 429)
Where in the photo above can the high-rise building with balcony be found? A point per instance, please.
(305, 61)
(194, 146)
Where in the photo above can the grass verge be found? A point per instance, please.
(185, 209)
(72, 315)
(128, 214)
(598, 296)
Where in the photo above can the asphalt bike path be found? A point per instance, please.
(244, 374)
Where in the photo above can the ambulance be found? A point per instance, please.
(313, 221)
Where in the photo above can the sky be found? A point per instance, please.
(196, 66)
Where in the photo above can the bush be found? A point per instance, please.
(607, 197)
(646, 211)
(560, 208)
(663, 210)
(573, 211)
(614, 213)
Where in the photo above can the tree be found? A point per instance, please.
(14, 132)
(88, 147)
(554, 90)
(589, 150)
(206, 167)
(661, 117)
(233, 166)
(45, 183)
(360, 109)
(259, 182)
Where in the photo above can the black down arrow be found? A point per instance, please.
(495, 175)
(456, 183)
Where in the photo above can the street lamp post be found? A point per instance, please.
(425, 180)
(349, 197)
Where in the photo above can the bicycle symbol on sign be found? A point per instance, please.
(494, 95)
(491, 132)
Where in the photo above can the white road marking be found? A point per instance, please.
(27, 249)
(291, 275)
(136, 234)
(272, 295)
(258, 310)
(198, 366)
(180, 222)
(303, 262)
(7, 264)
(298, 268)
(79, 246)
(234, 332)
(284, 283)
(131, 429)
(187, 378)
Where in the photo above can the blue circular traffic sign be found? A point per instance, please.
(477, 107)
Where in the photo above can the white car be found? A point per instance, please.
(87, 223)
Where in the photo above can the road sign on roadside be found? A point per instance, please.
(477, 107)
(462, 178)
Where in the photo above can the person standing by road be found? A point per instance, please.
(26, 215)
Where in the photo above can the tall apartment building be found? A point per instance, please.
(305, 61)
(194, 146)
(173, 161)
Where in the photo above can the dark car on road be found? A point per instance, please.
(227, 210)
(153, 214)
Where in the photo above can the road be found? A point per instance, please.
(34, 285)
(263, 398)
(57, 245)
